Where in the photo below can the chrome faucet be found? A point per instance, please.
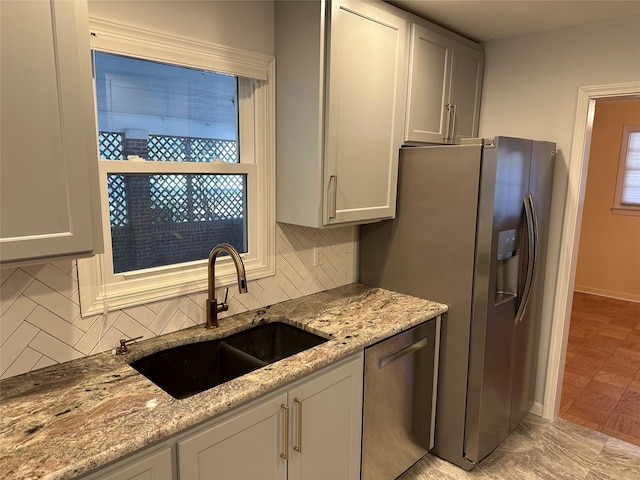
(213, 307)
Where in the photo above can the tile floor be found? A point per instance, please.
(598, 436)
(543, 450)
(601, 388)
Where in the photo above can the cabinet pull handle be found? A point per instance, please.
(298, 446)
(333, 195)
(448, 125)
(285, 454)
(452, 131)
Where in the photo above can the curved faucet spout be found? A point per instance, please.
(213, 307)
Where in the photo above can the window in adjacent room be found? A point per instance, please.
(627, 194)
(186, 162)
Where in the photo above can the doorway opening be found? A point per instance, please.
(587, 97)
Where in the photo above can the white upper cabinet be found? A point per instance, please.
(445, 82)
(341, 84)
(429, 84)
(49, 182)
(466, 90)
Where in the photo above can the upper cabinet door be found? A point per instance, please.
(341, 87)
(445, 83)
(49, 182)
(365, 110)
(466, 90)
(428, 115)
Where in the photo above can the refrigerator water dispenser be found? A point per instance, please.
(507, 268)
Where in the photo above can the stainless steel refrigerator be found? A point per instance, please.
(471, 231)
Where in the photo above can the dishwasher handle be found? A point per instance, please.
(383, 362)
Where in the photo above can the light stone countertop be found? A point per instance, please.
(69, 419)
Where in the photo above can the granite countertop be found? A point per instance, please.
(69, 419)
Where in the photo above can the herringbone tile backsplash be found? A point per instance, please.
(40, 322)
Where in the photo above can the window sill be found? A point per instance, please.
(158, 285)
(626, 211)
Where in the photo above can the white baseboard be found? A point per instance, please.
(536, 409)
(601, 292)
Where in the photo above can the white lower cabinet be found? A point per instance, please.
(244, 446)
(154, 464)
(310, 431)
(326, 424)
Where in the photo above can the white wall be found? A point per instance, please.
(530, 90)
(247, 25)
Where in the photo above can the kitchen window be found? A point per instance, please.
(186, 161)
(627, 194)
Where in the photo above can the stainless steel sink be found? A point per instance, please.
(189, 369)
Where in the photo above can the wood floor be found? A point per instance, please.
(601, 387)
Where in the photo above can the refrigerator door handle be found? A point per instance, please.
(532, 234)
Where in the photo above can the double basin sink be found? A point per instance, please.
(193, 368)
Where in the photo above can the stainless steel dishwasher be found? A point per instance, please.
(400, 380)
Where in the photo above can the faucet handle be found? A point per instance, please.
(123, 349)
(223, 306)
(226, 295)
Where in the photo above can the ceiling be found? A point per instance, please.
(483, 20)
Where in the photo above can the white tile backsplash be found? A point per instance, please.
(54, 348)
(14, 282)
(17, 342)
(55, 278)
(53, 301)
(40, 322)
(29, 359)
(55, 326)
(13, 317)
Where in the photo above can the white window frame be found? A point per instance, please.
(619, 207)
(100, 289)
